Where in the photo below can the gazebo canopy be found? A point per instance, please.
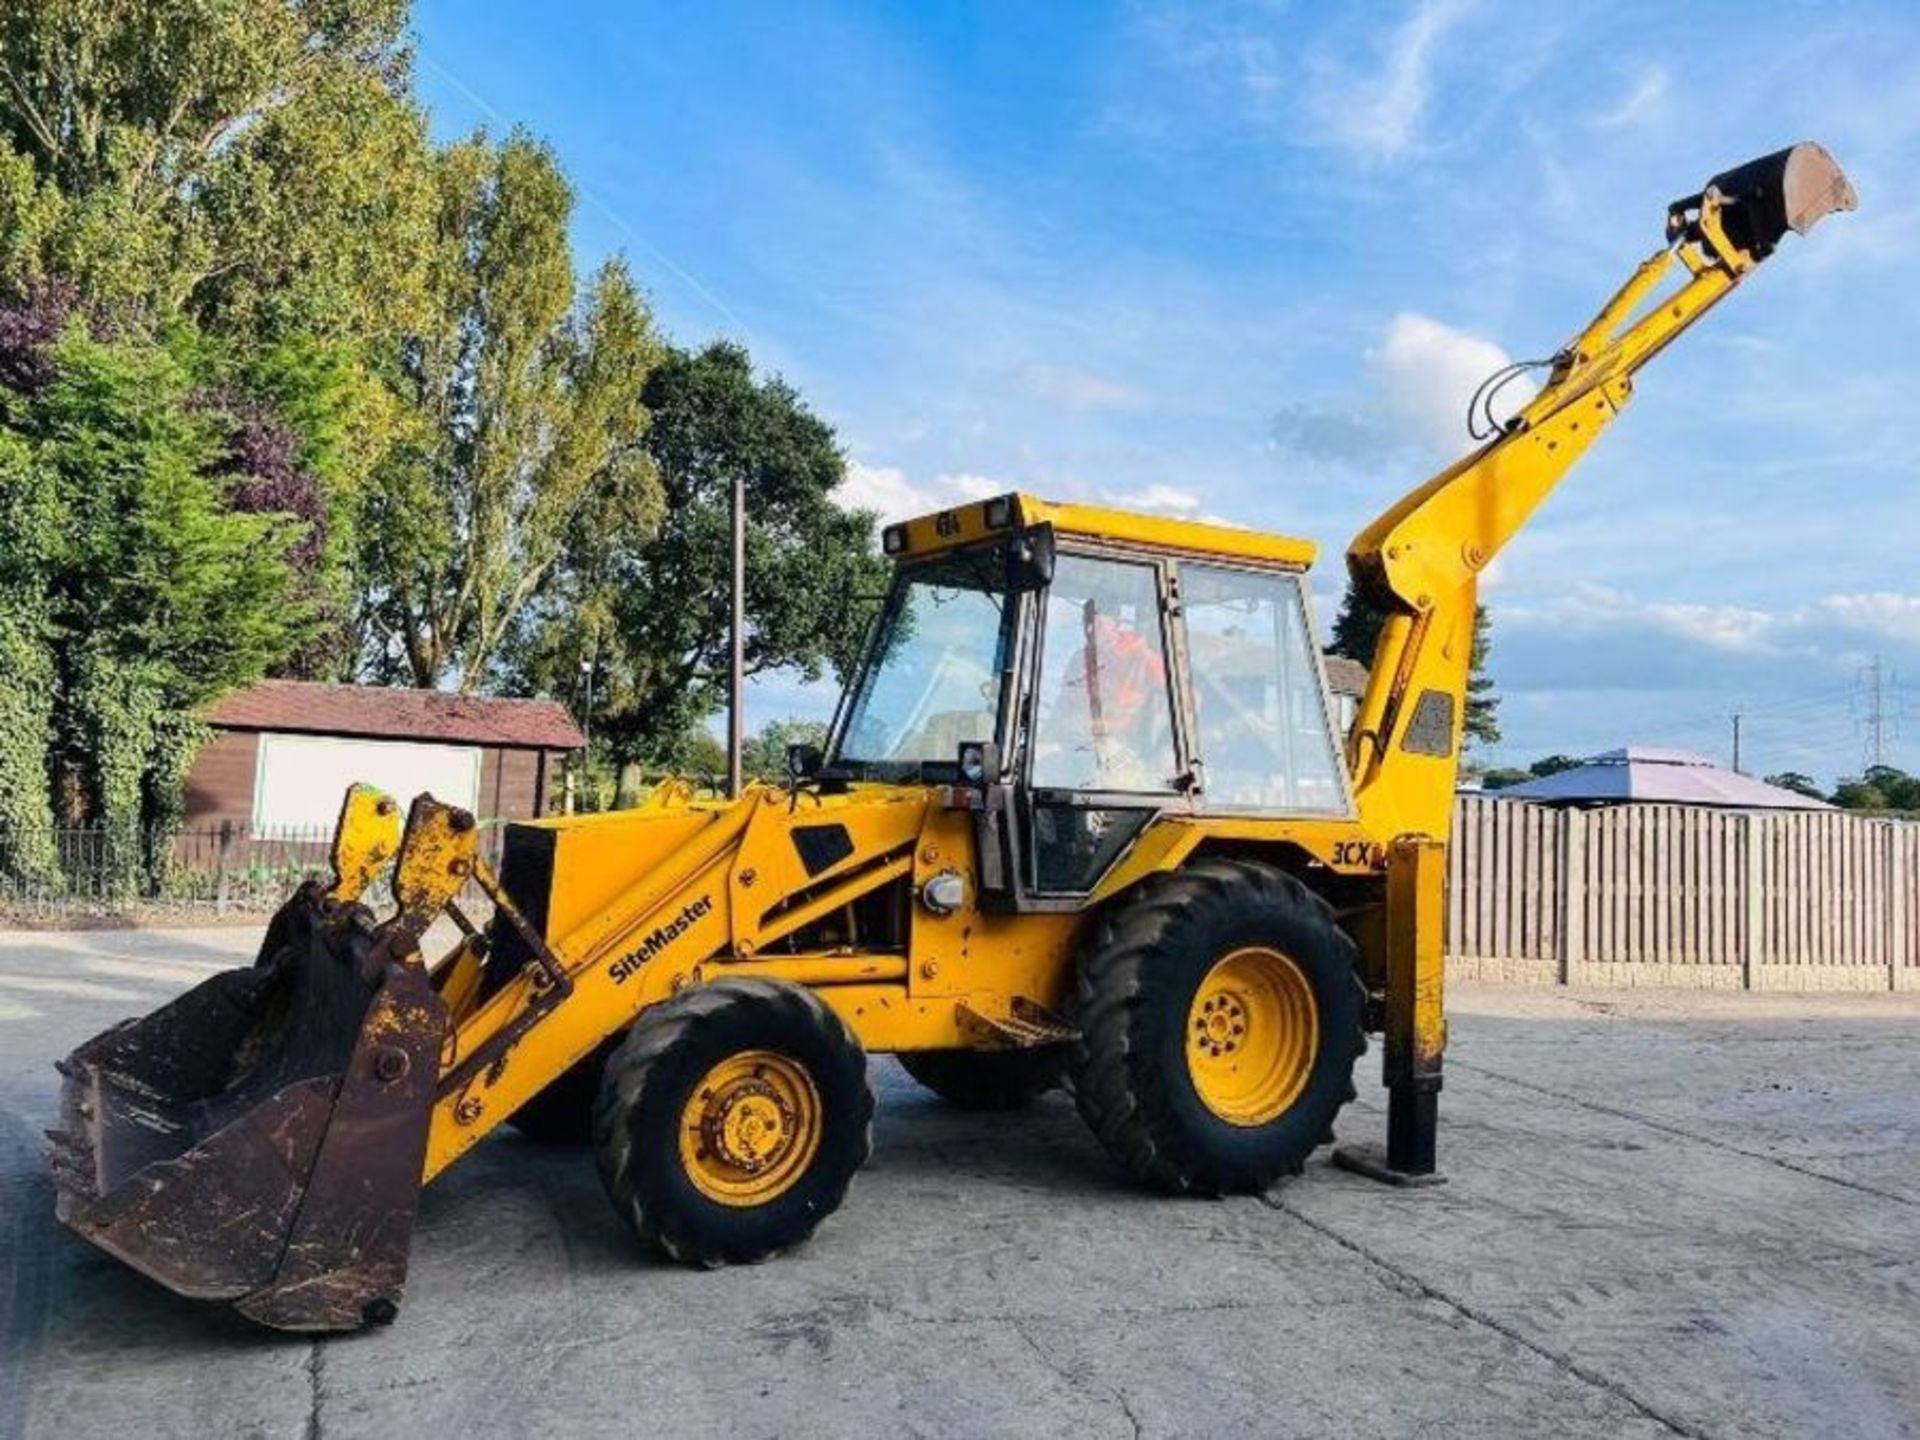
(1655, 775)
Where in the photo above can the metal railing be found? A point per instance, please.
(216, 870)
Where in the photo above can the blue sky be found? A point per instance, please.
(1247, 261)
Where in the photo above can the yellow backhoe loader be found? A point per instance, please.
(1083, 815)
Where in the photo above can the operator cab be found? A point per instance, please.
(1078, 673)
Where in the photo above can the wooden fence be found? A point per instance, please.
(1671, 895)
(1634, 895)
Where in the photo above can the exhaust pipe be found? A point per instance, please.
(1758, 202)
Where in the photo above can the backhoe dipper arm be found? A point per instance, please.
(1422, 559)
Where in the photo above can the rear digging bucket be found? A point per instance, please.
(260, 1139)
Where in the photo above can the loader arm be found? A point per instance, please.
(1421, 560)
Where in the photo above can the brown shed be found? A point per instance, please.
(1347, 679)
(284, 752)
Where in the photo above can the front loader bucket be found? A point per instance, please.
(260, 1140)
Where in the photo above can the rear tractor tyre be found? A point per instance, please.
(988, 1079)
(731, 1121)
(1221, 1016)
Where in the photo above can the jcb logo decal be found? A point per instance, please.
(1359, 852)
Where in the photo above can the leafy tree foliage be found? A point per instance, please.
(1500, 779)
(764, 755)
(256, 170)
(136, 588)
(1356, 634)
(287, 388)
(529, 413)
(659, 613)
(1799, 783)
(1880, 787)
(128, 132)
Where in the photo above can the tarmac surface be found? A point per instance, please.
(1668, 1213)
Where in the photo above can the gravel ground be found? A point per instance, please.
(1669, 1213)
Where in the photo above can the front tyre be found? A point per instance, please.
(1220, 1015)
(731, 1121)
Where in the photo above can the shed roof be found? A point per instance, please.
(1346, 677)
(376, 711)
(1655, 774)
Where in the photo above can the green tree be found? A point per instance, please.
(1356, 633)
(659, 613)
(1799, 783)
(526, 417)
(1553, 765)
(138, 589)
(29, 536)
(123, 129)
(764, 756)
(1500, 777)
(1881, 787)
(1855, 794)
(257, 169)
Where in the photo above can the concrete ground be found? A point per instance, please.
(1669, 1214)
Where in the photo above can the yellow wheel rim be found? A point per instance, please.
(1252, 1034)
(750, 1128)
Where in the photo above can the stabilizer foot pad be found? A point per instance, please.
(1371, 1161)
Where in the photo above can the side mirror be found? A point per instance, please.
(978, 764)
(1030, 560)
(803, 762)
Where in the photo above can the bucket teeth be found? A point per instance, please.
(69, 1164)
(71, 1152)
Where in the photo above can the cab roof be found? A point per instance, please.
(984, 519)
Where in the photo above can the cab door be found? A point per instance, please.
(1263, 730)
(1102, 739)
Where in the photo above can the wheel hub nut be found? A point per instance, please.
(749, 1126)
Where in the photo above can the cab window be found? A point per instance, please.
(1261, 726)
(1104, 709)
(934, 677)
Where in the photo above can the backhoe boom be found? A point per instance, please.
(1423, 557)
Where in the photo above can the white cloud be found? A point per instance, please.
(1818, 628)
(1729, 628)
(1379, 113)
(1171, 501)
(1645, 100)
(1427, 371)
(1079, 389)
(886, 490)
(1880, 614)
(1159, 500)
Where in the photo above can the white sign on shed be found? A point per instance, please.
(301, 778)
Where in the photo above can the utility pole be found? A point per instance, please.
(586, 671)
(737, 662)
(1736, 744)
(582, 773)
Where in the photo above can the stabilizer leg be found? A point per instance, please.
(1416, 1031)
